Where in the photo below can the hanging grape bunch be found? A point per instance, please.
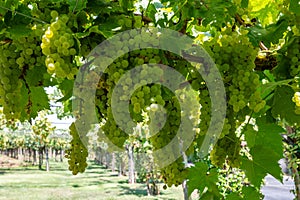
(58, 45)
(293, 56)
(234, 56)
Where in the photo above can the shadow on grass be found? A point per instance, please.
(93, 165)
(94, 172)
(19, 169)
(130, 191)
(123, 182)
(93, 183)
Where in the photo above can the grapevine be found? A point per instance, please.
(47, 43)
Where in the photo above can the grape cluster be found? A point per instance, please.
(77, 153)
(29, 49)
(148, 96)
(18, 57)
(293, 55)
(58, 45)
(234, 56)
(10, 84)
(175, 173)
(296, 99)
(228, 148)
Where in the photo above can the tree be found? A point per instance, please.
(42, 129)
(254, 46)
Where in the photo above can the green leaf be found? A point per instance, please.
(199, 178)
(295, 6)
(106, 33)
(196, 173)
(275, 32)
(264, 162)
(251, 193)
(269, 133)
(281, 71)
(209, 196)
(36, 76)
(66, 88)
(39, 100)
(18, 31)
(77, 5)
(233, 196)
(283, 106)
(266, 150)
(126, 4)
(151, 11)
(244, 3)
(270, 34)
(24, 103)
(250, 136)
(269, 75)
(266, 11)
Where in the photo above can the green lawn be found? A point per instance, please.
(96, 183)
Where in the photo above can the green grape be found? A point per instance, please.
(77, 154)
(296, 100)
(226, 148)
(49, 34)
(54, 14)
(51, 67)
(10, 71)
(57, 40)
(29, 51)
(293, 56)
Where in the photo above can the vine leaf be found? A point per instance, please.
(39, 100)
(266, 150)
(295, 6)
(233, 196)
(265, 11)
(38, 76)
(66, 88)
(77, 5)
(250, 136)
(283, 106)
(23, 103)
(19, 30)
(199, 178)
(151, 11)
(251, 193)
(270, 34)
(268, 88)
(244, 3)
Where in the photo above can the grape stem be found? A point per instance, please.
(262, 46)
(22, 77)
(177, 11)
(18, 13)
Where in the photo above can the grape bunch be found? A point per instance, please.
(77, 153)
(175, 173)
(226, 148)
(296, 100)
(234, 56)
(293, 55)
(29, 49)
(58, 47)
(10, 84)
(19, 57)
(131, 71)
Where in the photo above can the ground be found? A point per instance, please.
(7, 162)
(28, 182)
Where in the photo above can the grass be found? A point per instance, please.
(24, 183)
